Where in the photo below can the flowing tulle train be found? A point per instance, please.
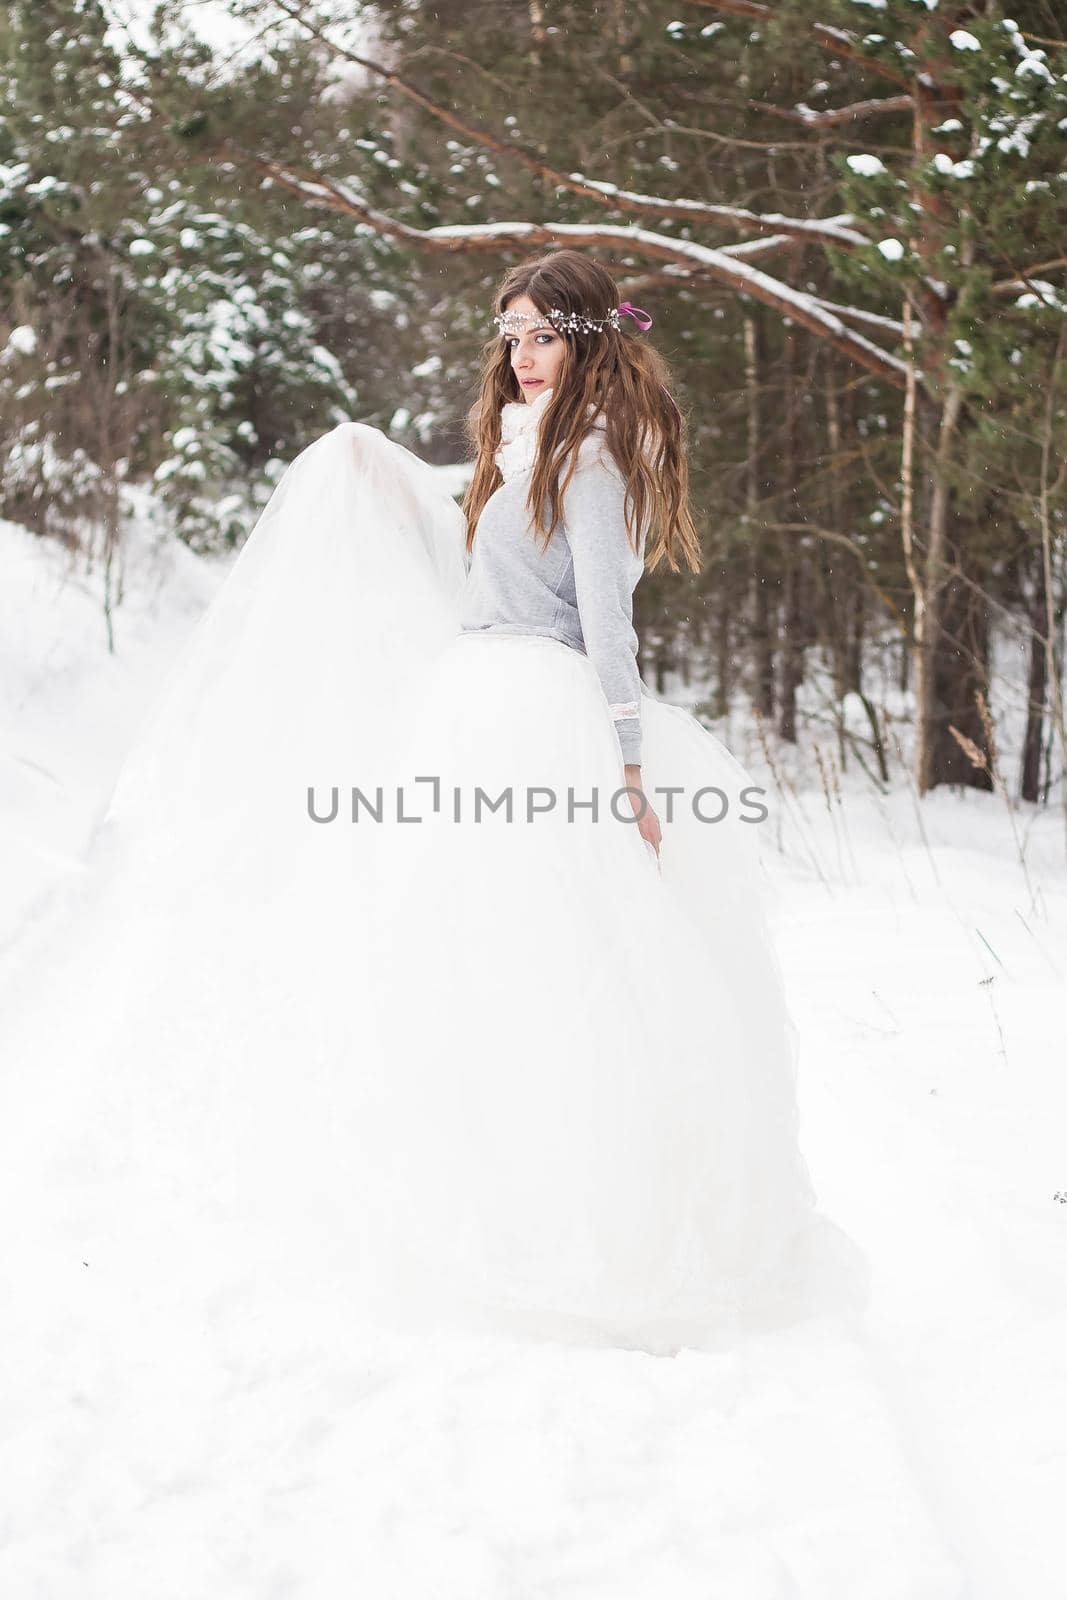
(459, 1072)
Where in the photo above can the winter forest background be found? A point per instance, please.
(225, 227)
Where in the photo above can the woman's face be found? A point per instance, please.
(537, 352)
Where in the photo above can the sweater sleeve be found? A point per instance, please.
(606, 573)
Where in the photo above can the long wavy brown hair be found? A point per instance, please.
(616, 373)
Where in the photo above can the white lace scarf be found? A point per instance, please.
(519, 422)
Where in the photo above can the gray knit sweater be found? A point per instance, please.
(580, 589)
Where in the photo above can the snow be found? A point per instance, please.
(892, 249)
(1033, 66)
(263, 1444)
(1017, 140)
(1047, 296)
(960, 39)
(68, 708)
(865, 166)
(948, 168)
(22, 340)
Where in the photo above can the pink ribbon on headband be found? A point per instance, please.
(642, 318)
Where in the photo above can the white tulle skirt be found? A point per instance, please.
(468, 1070)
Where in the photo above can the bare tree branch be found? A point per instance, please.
(833, 536)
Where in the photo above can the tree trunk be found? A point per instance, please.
(1030, 784)
(792, 645)
(950, 628)
(845, 594)
(951, 643)
(856, 635)
(724, 637)
(792, 648)
(960, 670)
(762, 608)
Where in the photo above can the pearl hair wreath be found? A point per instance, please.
(509, 322)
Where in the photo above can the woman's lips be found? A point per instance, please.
(531, 383)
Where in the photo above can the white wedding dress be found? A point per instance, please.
(458, 1073)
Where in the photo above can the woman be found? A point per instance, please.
(613, 441)
(401, 985)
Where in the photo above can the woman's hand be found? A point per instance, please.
(648, 824)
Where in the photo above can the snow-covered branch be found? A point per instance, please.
(836, 231)
(701, 260)
(808, 117)
(869, 319)
(1026, 276)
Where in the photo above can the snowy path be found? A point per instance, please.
(933, 1097)
(288, 1456)
(257, 1444)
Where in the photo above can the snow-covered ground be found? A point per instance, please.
(271, 1448)
(69, 705)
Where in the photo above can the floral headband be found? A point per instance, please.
(509, 322)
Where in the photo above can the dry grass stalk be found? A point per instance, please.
(785, 789)
(986, 761)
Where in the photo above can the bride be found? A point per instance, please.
(419, 957)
